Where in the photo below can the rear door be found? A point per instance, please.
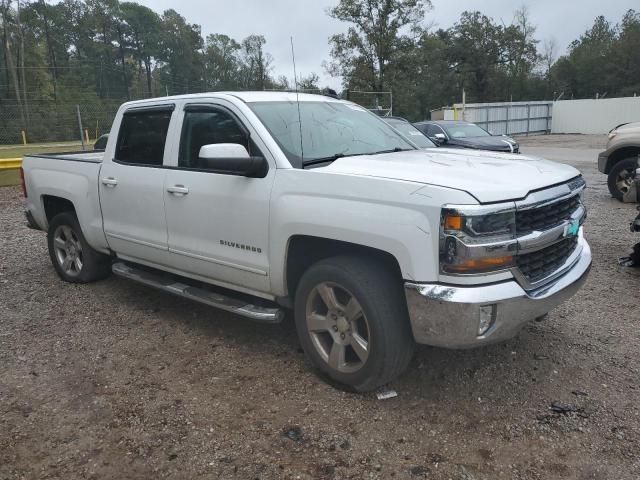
(218, 223)
(132, 186)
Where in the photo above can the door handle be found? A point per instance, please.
(109, 181)
(178, 190)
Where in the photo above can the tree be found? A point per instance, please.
(584, 72)
(477, 48)
(181, 47)
(8, 38)
(624, 56)
(143, 26)
(222, 62)
(372, 41)
(309, 83)
(257, 63)
(521, 53)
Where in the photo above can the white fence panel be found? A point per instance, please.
(509, 118)
(594, 116)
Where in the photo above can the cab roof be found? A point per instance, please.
(248, 97)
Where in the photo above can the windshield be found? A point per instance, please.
(329, 130)
(466, 130)
(411, 132)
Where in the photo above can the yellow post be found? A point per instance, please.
(24, 138)
(86, 135)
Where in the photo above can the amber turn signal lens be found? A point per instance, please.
(453, 222)
(480, 265)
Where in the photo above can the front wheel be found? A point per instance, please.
(621, 177)
(352, 321)
(72, 257)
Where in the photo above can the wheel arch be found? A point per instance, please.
(306, 250)
(54, 205)
(622, 153)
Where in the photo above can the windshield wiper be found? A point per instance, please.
(397, 149)
(331, 158)
(314, 161)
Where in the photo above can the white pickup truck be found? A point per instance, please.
(261, 202)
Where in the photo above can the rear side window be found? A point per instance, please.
(142, 137)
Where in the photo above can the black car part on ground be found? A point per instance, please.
(633, 260)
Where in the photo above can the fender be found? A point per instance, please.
(372, 212)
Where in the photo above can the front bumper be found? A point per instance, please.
(449, 316)
(603, 162)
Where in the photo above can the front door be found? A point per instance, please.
(132, 187)
(218, 224)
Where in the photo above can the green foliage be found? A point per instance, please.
(98, 53)
(489, 60)
(57, 54)
(375, 38)
(604, 60)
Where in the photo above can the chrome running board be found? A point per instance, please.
(177, 285)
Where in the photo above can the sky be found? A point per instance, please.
(309, 25)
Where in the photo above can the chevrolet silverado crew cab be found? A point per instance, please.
(261, 202)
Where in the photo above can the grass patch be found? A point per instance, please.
(9, 177)
(19, 151)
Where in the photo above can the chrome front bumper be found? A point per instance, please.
(449, 316)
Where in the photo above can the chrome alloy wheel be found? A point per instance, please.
(68, 250)
(338, 327)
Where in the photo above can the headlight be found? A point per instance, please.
(474, 244)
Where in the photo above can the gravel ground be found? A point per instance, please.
(115, 380)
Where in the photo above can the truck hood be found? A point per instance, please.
(488, 176)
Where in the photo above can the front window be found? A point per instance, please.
(466, 130)
(329, 130)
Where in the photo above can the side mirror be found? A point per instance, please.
(223, 150)
(231, 159)
(440, 138)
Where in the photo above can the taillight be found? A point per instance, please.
(22, 184)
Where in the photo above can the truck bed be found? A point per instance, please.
(72, 176)
(92, 156)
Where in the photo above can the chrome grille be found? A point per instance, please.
(540, 264)
(546, 217)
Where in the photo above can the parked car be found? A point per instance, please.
(620, 158)
(374, 244)
(101, 142)
(458, 134)
(410, 132)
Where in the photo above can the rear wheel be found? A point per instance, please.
(621, 177)
(72, 257)
(352, 321)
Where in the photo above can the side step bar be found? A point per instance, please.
(173, 284)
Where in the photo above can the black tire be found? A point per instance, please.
(622, 168)
(93, 265)
(381, 297)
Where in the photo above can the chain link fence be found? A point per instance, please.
(45, 122)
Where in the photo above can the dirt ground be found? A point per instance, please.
(114, 380)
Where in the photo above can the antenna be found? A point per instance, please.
(295, 81)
